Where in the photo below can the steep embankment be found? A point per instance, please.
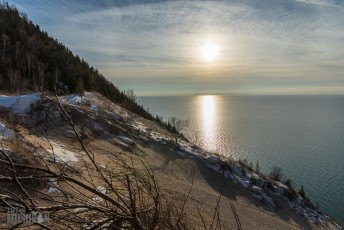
(203, 189)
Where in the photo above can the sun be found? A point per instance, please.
(210, 52)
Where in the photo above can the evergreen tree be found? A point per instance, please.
(302, 192)
(79, 89)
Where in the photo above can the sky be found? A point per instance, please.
(156, 47)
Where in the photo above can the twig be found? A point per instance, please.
(216, 209)
(14, 173)
(236, 217)
(192, 183)
(204, 225)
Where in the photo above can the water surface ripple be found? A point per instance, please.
(304, 135)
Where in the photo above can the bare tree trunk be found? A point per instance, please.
(17, 53)
(29, 58)
(41, 69)
(5, 40)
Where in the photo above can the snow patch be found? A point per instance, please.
(53, 187)
(139, 126)
(94, 107)
(74, 99)
(8, 152)
(19, 104)
(112, 115)
(256, 189)
(4, 132)
(63, 155)
(126, 140)
(96, 198)
(244, 183)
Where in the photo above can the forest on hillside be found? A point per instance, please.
(32, 61)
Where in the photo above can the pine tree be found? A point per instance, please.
(302, 192)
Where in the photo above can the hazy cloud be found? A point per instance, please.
(146, 45)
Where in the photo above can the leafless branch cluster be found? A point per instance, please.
(118, 196)
(178, 126)
(124, 194)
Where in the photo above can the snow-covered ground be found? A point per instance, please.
(19, 104)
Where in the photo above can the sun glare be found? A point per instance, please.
(210, 52)
(208, 115)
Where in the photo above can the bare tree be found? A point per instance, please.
(130, 94)
(178, 126)
(41, 70)
(5, 41)
(29, 57)
(17, 52)
(14, 76)
(129, 102)
(39, 77)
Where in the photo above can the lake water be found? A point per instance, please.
(303, 135)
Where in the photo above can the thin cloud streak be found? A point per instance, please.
(264, 45)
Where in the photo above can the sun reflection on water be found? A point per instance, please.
(208, 118)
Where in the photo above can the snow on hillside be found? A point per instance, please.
(74, 99)
(19, 104)
(61, 154)
(126, 140)
(95, 103)
(4, 132)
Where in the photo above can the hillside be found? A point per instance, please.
(78, 153)
(91, 163)
(32, 61)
